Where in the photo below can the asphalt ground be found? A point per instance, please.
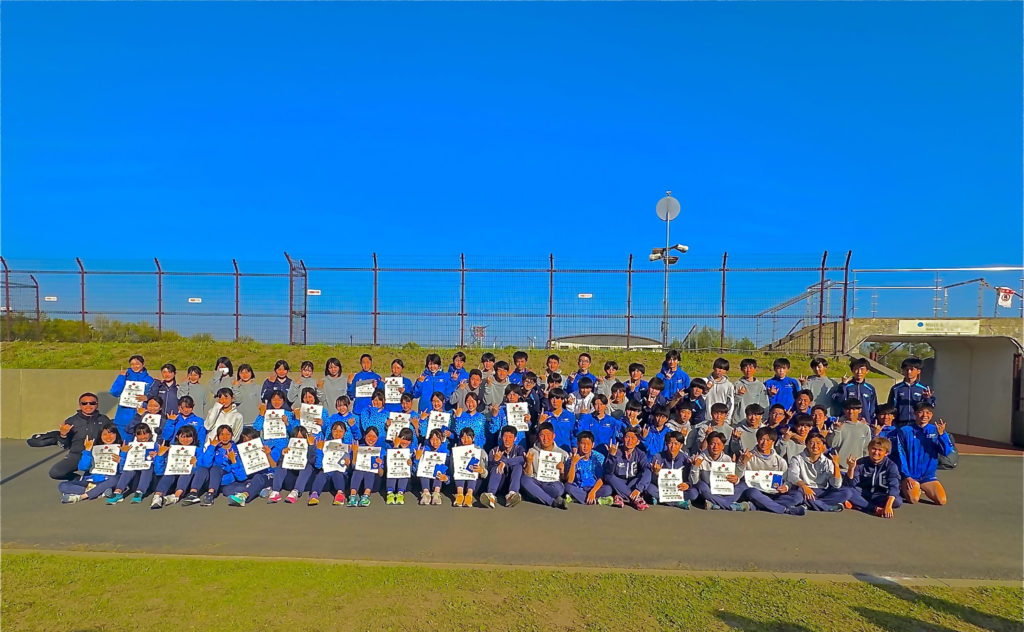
(978, 535)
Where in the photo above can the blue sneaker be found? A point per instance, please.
(136, 498)
(683, 504)
(116, 498)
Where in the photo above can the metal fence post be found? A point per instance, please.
(81, 271)
(305, 301)
(39, 315)
(7, 299)
(462, 299)
(159, 298)
(376, 271)
(629, 301)
(551, 297)
(846, 289)
(291, 300)
(721, 329)
(237, 314)
(821, 298)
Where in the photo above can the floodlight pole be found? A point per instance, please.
(664, 316)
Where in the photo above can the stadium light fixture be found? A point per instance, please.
(667, 210)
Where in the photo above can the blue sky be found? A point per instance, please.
(220, 130)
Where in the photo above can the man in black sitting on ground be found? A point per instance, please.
(85, 423)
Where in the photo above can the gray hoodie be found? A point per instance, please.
(821, 387)
(604, 386)
(849, 439)
(200, 397)
(494, 394)
(818, 474)
(298, 384)
(334, 387)
(753, 393)
(247, 398)
(747, 440)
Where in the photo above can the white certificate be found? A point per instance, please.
(179, 460)
(440, 420)
(428, 462)
(136, 460)
(368, 459)
(129, 396)
(365, 389)
(546, 467)
(720, 486)
(463, 458)
(668, 485)
(335, 451)
(312, 418)
(254, 459)
(391, 386)
(763, 479)
(152, 420)
(105, 459)
(398, 422)
(398, 463)
(516, 414)
(297, 456)
(274, 428)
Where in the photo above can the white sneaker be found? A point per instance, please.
(170, 500)
(435, 498)
(158, 502)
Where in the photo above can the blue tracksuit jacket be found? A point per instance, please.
(904, 397)
(919, 450)
(125, 414)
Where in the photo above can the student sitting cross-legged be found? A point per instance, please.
(816, 480)
(626, 471)
(764, 458)
(506, 469)
(538, 462)
(701, 474)
(672, 457)
(874, 480)
(584, 482)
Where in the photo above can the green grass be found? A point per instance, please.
(54, 592)
(182, 353)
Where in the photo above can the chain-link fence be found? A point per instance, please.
(732, 302)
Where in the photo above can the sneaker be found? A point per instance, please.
(488, 500)
(797, 510)
(339, 498)
(265, 492)
(618, 502)
(879, 511)
(364, 501)
(275, 497)
(157, 502)
(605, 501)
(314, 500)
(458, 500)
(237, 500)
(425, 497)
(683, 504)
(116, 498)
(207, 500)
(568, 499)
(468, 500)
(559, 503)
(390, 499)
(640, 504)
(835, 508)
(170, 500)
(190, 499)
(712, 507)
(848, 505)
(292, 497)
(67, 499)
(512, 499)
(435, 498)
(353, 500)
(741, 506)
(136, 498)
(399, 498)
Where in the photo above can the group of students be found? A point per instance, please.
(501, 432)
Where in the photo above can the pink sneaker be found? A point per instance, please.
(275, 497)
(640, 504)
(617, 501)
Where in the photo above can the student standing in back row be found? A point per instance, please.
(858, 389)
(910, 392)
(676, 380)
(749, 390)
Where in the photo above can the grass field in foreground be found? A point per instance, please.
(182, 353)
(53, 592)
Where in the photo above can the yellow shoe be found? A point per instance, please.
(468, 501)
(458, 500)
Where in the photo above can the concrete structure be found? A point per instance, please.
(604, 341)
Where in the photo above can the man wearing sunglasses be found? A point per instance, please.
(86, 423)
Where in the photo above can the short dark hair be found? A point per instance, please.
(857, 363)
(611, 364)
(781, 363)
(656, 382)
(585, 434)
(520, 355)
(754, 409)
(769, 432)
(721, 363)
(819, 361)
(719, 407)
(852, 404)
(911, 362)
(715, 435)
(282, 363)
(187, 401)
(745, 362)
(585, 382)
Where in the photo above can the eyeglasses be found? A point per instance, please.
(88, 403)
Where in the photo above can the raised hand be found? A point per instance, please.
(162, 450)
(122, 371)
(65, 428)
(575, 456)
(737, 434)
(419, 453)
(928, 391)
(125, 447)
(742, 390)
(613, 448)
(656, 467)
(320, 383)
(421, 378)
(846, 379)
(745, 458)
(940, 425)
(851, 463)
(351, 376)
(263, 409)
(774, 390)
(89, 442)
(231, 455)
(698, 460)
(320, 444)
(311, 439)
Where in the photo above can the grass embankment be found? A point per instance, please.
(182, 353)
(51, 592)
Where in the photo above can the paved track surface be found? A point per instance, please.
(978, 535)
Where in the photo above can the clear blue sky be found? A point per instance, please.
(423, 130)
